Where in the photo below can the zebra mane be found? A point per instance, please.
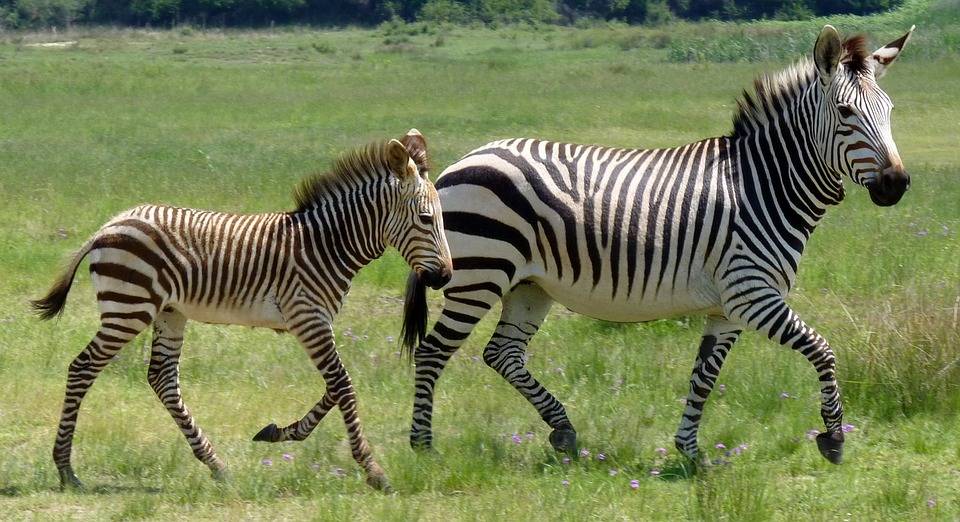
(351, 169)
(772, 91)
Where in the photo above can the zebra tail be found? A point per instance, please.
(52, 304)
(415, 314)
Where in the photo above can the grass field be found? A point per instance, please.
(231, 120)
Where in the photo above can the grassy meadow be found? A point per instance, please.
(230, 120)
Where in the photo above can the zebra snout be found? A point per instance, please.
(435, 278)
(890, 186)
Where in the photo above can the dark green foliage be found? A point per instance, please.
(219, 13)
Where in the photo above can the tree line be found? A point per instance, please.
(18, 14)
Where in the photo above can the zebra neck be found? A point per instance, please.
(782, 172)
(347, 232)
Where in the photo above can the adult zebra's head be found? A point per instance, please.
(855, 114)
(415, 223)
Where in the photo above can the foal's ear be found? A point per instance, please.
(416, 146)
(826, 53)
(885, 55)
(398, 159)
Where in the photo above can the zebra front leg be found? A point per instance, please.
(114, 333)
(164, 377)
(718, 338)
(778, 322)
(524, 310)
(316, 336)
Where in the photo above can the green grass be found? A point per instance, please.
(231, 120)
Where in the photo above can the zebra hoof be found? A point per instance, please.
(268, 434)
(564, 440)
(220, 475)
(380, 483)
(831, 446)
(69, 481)
(421, 444)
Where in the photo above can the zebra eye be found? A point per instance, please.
(845, 111)
(426, 218)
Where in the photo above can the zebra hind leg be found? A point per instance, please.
(718, 338)
(462, 309)
(524, 310)
(116, 330)
(163, 376)
(300, 429)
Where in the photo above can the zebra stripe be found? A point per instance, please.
(288, 271)
(716, 227)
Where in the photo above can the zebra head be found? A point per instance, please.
(415, 224)
(855, 114)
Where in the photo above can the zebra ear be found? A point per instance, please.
(416, 146)
(826, 53)
(885, 55)
(398, 159)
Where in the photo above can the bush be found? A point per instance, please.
(41, 13)
(323, 48)
(445, 11)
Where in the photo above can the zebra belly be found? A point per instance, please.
(596, 303)
(260, 313)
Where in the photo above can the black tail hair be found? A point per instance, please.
(415, 314)
(52, 304)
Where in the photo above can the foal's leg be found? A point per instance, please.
(116, 330)
(163, 376)
(718, 337)
(301, 429)
(524, 310)
(316, 335)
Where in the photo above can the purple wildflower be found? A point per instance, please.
(720, 446)
(565, 460)
(565, 483)
(601, 457)
(722, 388)
(634, 484)
(267, 462)
(661, 451)
(584, 453)
(517, 439)
(338, 472)
(784, 395)
(847, 428)
(529, 435)
(739, 449)
(931, 502)
(613, 472)
(288, 457)
(654, 472)
(812, 434)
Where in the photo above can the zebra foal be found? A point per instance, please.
(715, 227)
(288, 271)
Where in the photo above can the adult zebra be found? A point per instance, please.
(714, 227)
(287, 271)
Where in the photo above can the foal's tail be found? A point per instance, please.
(52, 304)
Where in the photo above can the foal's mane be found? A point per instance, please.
(351, 169)
(772, 91)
